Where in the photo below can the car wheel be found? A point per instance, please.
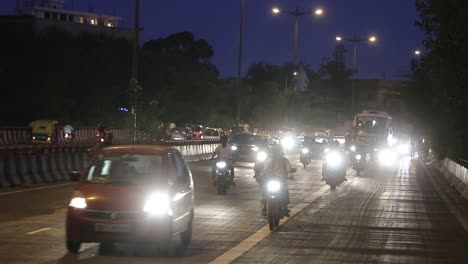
(186, 236)
(73, 246)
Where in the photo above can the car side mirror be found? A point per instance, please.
(293, 170)
(75, 176)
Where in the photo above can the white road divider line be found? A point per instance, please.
(37, 231)
(245, 245)
(38, 188)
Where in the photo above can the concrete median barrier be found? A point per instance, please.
(47, 165)
(36, 164)
(456, 173)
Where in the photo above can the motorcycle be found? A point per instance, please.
(262, 156)
(223, 176)
(68, 136)
(358, 162)
(304, 156)
(334, 168)
(104, 137)
(274, 207)
(357, 158)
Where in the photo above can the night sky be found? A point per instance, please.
(269, 38)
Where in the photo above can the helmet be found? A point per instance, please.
(277, 151)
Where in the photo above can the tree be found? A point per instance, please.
(440, 78)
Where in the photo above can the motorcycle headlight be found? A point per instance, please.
(78, 200)
(387, 157)
(221, 164)
(255, 148)
(234, 148)
(358, 157)
(334, 159)
(404, 149)
(157, 204)
(273, 186)
(353, 148)
(287, 142)
(261, 156)
(305, 150)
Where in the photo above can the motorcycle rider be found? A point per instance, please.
(68, 129)
(276, 166)
(333, 145)
(223, 151)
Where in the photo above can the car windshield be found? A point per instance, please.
(246, 139)
(125, 168)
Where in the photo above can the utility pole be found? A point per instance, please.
(134, 86)
(239, 63)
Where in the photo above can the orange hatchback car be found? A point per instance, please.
(131, 193)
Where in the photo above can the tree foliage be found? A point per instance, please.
(439, 96)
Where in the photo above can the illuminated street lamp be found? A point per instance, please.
(355, 40)
(296, 13)
(417, 52)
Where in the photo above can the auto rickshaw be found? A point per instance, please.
(44, 131)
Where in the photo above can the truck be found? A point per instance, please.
(371, 130)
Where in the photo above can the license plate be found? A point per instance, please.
(117, 228)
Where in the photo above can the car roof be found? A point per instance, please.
(150, 149)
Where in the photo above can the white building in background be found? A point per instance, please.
(36, 15)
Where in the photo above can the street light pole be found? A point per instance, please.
(296, 13)
(353, 95)
(355, 40)
(134, 85)
(239, 62)
(296, 30)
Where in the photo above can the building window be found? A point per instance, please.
(47, 15)
(63, 17)
(82, 20)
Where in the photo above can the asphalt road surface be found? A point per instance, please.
(379, 217)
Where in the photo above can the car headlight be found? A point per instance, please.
(305, 150)
(404, 149)
(157, 204)
(221, 164)
(387, 157)
(353, 148)
(233, 147)
(78, 200)
(334, 159)
(358, 157)
(261, 156)
(255, 148)
(273, 186)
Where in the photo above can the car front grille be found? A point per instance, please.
(112, 215)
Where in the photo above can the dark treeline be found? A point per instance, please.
(84, 79)
(439, 97)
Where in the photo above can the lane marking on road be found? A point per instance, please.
(38, 188)
(453, 208)
(248, 243)
(39, 230)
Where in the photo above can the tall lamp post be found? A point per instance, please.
(239, 62)
(355, 40)
(297, 13)
(134, 86)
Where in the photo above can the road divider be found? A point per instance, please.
(28, 165)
